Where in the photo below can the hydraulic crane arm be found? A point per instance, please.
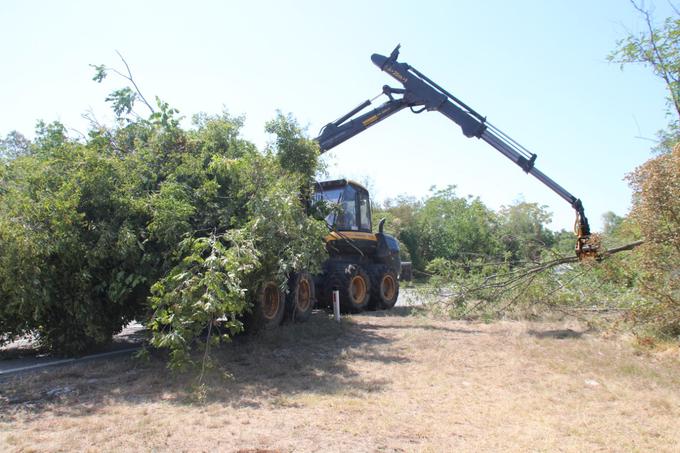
(420, 94)
(341, 129)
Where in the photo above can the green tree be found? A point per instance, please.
(13, 146)
(655, 214)
(71, 268)
(523, 230)
(656, 211)
(454, 228)
(193, 218)
(399, 214)
(294, 150)
(611, 223)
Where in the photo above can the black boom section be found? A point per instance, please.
(341, 130)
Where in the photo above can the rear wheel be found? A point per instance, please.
(301, 297)
(385, 289)
(268, 307)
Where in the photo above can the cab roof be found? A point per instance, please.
(334, 183)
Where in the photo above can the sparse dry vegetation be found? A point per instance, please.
(388, 381)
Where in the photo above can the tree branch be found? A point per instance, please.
(674, 8)
(132, 81)
(660, 65)
(494, 286)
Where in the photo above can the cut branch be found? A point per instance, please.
(493, 287)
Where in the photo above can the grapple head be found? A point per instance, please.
(588, 247)
(587, 244)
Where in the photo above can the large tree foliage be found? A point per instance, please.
(523, 230)
(148, 220)
(399, 214)
(73, 265)
(442, 226)
(446, 226)
(13, 146)
(655, 214)
(656, 211)
(455, 228)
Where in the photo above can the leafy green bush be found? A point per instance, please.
(69, 252)
(447, 226)
(90, 229)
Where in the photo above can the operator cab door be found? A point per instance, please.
(355, 211)
(350, 220)
(353, 206)
(364, 207)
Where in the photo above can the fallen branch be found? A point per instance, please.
(493, 287)
(574, 259)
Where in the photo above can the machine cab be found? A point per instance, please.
(351, 198)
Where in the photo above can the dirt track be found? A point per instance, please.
(378, 382)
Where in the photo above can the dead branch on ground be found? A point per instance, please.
(511, 283)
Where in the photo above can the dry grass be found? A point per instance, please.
(377, 382)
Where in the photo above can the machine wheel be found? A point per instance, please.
(301, 297)
(385, 288)
(354, 286)
(268, 307)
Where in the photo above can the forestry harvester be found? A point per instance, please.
(364, 266)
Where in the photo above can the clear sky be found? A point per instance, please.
(536, 69)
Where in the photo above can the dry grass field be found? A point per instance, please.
(391, 381)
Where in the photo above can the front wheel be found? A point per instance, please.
(268, 307)
(354, 287)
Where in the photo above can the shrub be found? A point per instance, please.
(90, 229)
(656, 212)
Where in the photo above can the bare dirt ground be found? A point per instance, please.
(386, 381)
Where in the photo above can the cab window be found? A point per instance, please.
(347, 217)
(364, 212)
(332, 196)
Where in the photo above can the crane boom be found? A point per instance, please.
(419, 93)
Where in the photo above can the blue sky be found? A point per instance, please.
(536, 69)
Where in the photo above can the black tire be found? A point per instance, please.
(374, 273)
(385, 288)
(301, 297)
(354, 286)
(268, 308)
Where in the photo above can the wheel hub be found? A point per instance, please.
(388, 287)
(358, 288)
(304, 295)
(271, 302)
